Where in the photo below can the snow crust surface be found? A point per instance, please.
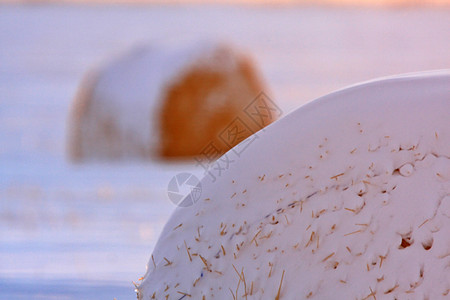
(347, 197)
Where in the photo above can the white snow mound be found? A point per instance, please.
(348, 197)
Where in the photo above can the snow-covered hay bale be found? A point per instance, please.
(170, 101)
(346, 198)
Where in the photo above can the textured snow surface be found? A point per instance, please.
(347, 197)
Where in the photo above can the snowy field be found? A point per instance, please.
(87, 231)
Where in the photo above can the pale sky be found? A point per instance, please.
(335, 2)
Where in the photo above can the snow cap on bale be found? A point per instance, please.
(166, 101)
(347, 197)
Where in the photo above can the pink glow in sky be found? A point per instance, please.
(272, 2)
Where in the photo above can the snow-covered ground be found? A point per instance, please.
(86, 232)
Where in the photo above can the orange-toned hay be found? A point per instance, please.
(188, 126)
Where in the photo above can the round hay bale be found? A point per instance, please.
(167, 102)
(347, 197)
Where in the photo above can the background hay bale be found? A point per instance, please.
(169, 102)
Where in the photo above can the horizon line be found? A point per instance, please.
(338, 3)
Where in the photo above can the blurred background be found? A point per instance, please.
(86, 231)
